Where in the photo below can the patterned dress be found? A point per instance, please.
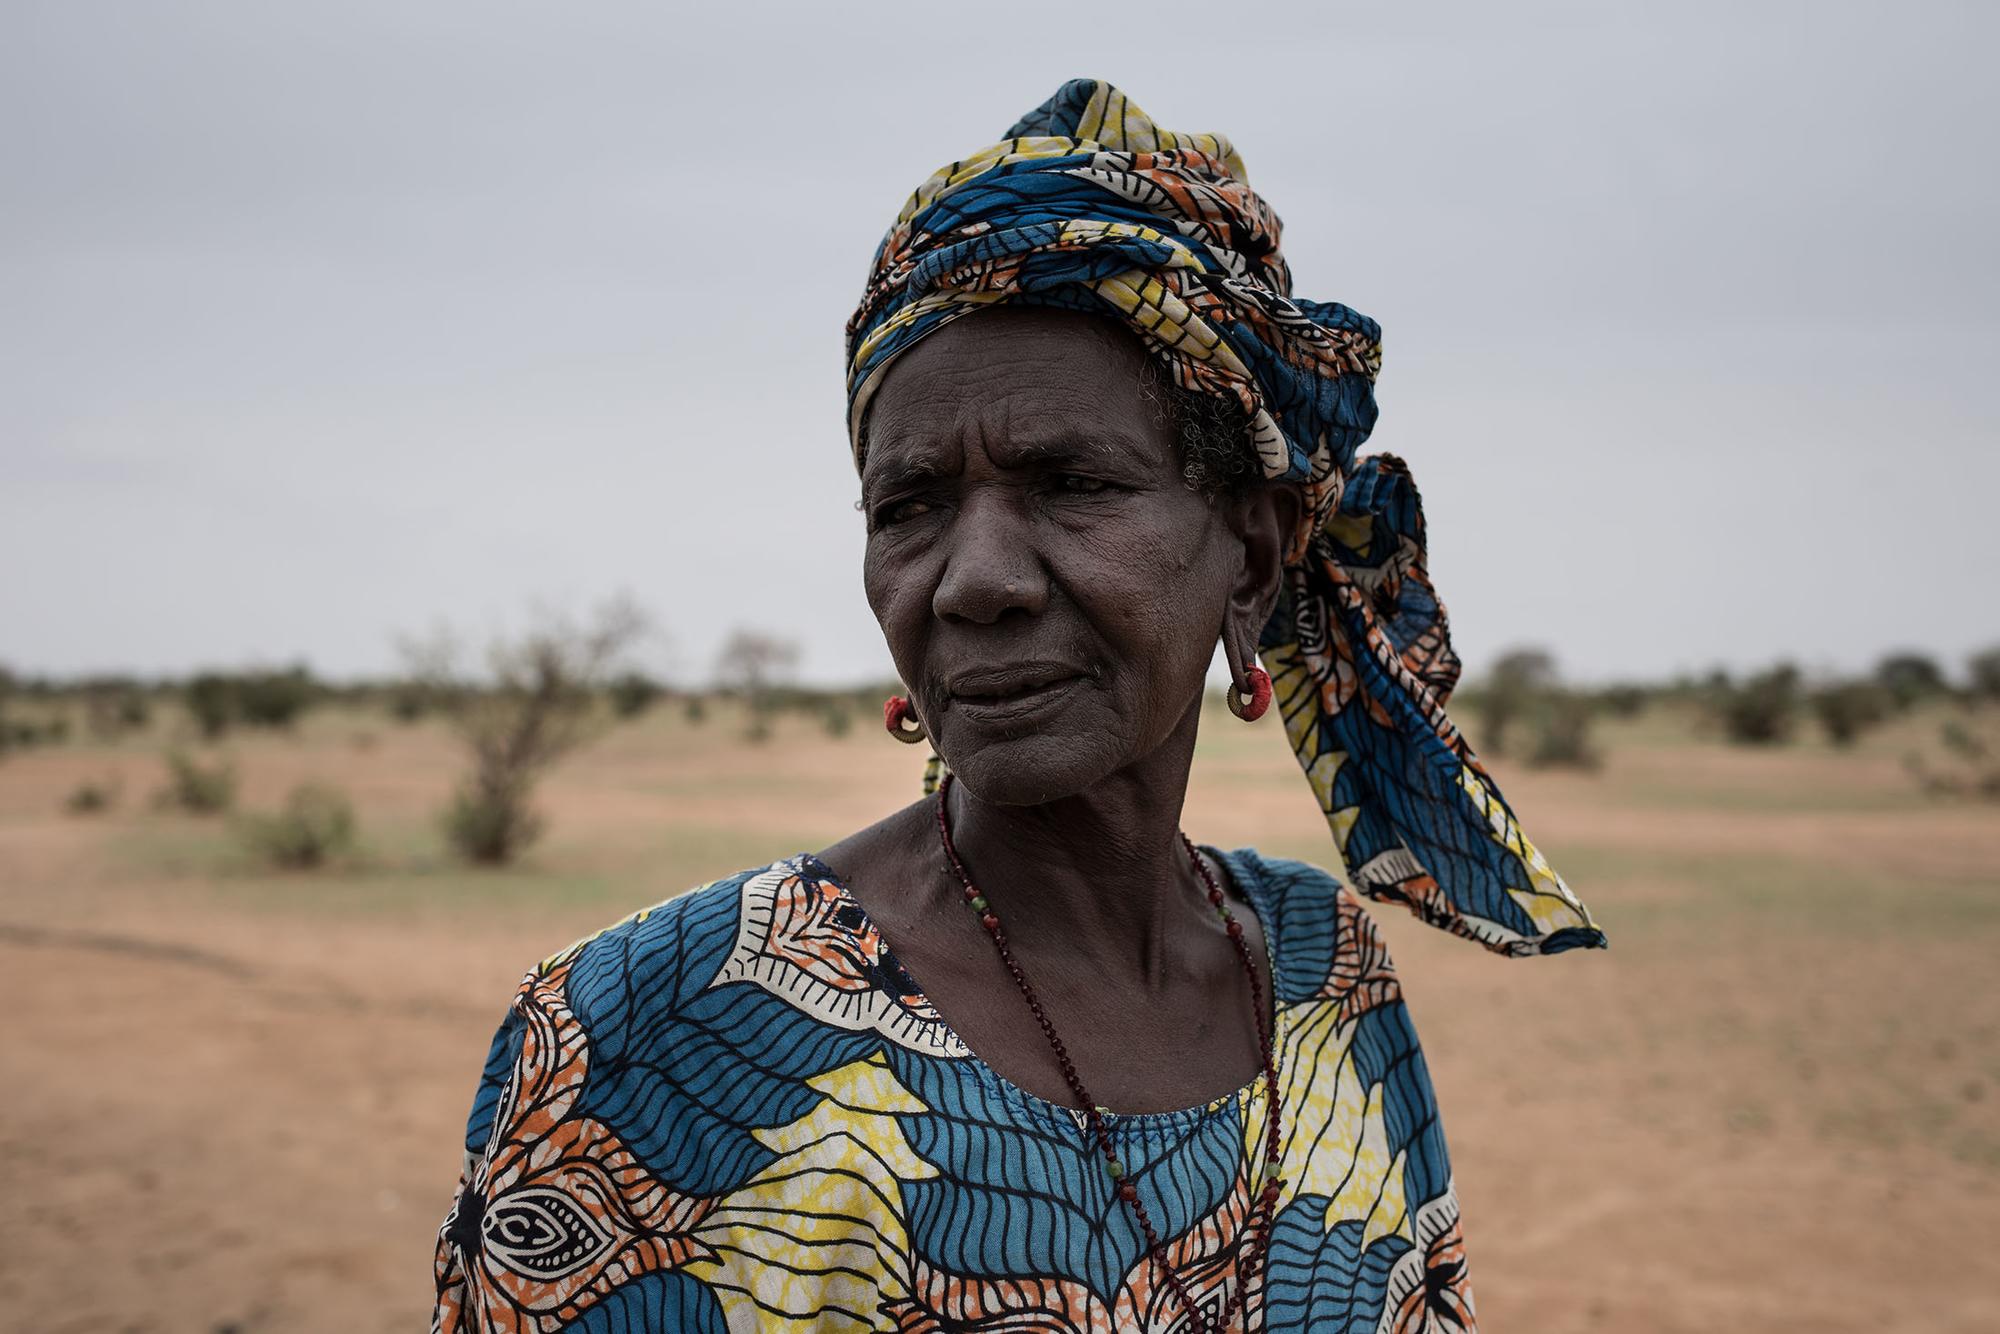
(738, 1111)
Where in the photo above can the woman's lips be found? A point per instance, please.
(1000, 697)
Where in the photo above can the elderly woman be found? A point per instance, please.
(1022, 1056)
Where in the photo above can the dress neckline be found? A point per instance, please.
(1244, 888)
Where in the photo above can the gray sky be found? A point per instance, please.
(323, 322)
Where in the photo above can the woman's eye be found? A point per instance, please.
(897, 511)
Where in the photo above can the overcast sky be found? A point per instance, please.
(322, 323)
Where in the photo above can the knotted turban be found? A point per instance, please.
(1086, 204)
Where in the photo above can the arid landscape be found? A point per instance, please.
(235, 1096)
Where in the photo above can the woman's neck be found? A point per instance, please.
(1100, 875)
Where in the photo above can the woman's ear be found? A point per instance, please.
(1264, 521)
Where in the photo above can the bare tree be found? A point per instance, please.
(1518, 681)
(536, 705)
(752, 663)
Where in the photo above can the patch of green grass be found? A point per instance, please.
(403, 868)
(1768, 894)
(1630, 890)
(1763, 797)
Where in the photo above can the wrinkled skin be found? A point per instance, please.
(1052, 591)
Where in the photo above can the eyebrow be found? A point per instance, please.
(897, 473)
(1063, 448)
(1054, 450)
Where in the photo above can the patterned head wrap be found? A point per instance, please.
(1089, 206)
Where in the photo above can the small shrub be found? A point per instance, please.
(211, 701)
(1910, 677)
(90, 797)
(538, 705)
(1624, 701)
(315, 825)
(1762, 709)
(24, 734)
(632, 694)
(1971, 761)
(254, 699)
(836, 718)
(133, 710)
(1513, 690)
(274, 699)
(758, 665)
(195, 788)
(1848, 708)
(1982, 671)
(490, 826)
(1562, 734)
(695, 710)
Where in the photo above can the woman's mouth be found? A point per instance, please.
(1009, 694)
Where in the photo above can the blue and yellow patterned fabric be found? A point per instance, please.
(1086, 204)
(738, 1111)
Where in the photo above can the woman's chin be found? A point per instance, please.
(1028, 768)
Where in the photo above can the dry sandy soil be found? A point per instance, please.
(234, 1098)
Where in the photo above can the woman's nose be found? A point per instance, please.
(991, 565)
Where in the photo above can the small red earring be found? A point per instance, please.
(1249, 702)
(899, 716)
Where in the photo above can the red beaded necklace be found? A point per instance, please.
(1254, 1247)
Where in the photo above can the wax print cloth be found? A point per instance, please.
(1086, 204)
(737, 1111)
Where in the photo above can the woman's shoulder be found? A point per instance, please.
(782, 948)
(673, 926)
(1322, 939)
(1284, 891)
(658, 959)
(1278, 876)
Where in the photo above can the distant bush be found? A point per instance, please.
(1971, 760)
(695, 709)
(1846, 709)
(1562, 733)
(218, 702)
(1982, 672)
(1762, 709)
(632, 694)
(90, 797)
(1910, 678)
(409, 701)
(1624, 700)
(836, 717)
(539, 704)
(113, 707)
(315, 826)
(756, 665)
(134, 711)
(1512, 692)
(274, 699)
(489, 826)
(211, 701)
(24, 733)
(196, 788)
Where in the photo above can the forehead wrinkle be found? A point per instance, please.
(1015, 395)
(887, 469)
(1066, 445)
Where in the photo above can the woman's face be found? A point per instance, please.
(1049, 586)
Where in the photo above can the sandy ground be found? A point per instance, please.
(234, 1098)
